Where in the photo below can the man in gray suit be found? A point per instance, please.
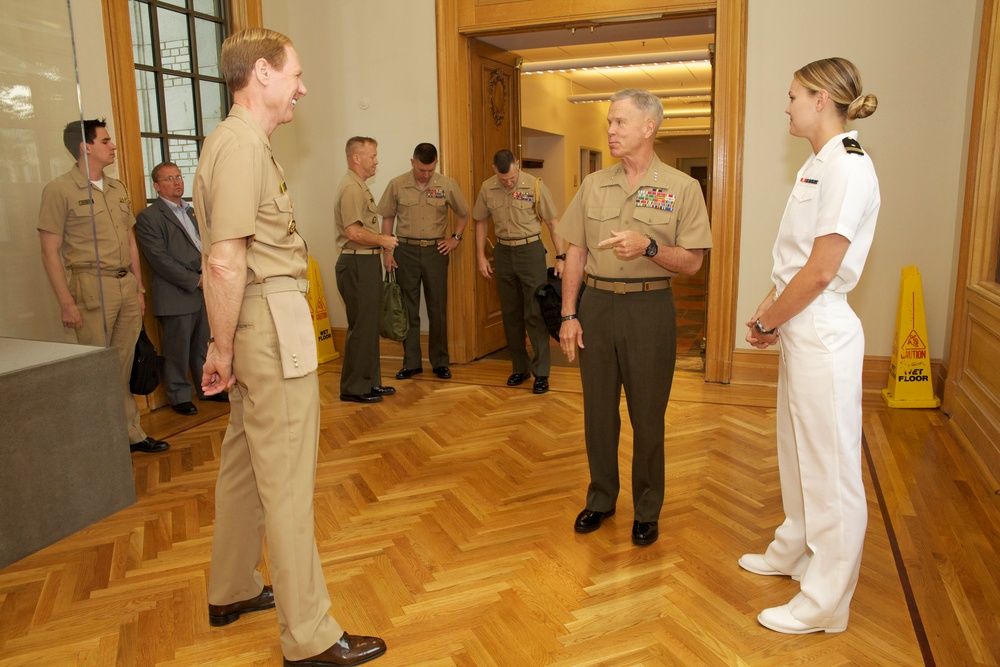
(168, 235)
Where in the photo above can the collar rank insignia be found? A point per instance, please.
(436, 192)
(658, 198)
(852, 146)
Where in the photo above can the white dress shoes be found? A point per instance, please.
(780, 619)
(755, 563)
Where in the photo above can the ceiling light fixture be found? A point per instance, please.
(671, 94)
(695, 56)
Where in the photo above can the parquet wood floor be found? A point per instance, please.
(443, 516)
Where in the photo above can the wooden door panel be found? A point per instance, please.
(495, 126)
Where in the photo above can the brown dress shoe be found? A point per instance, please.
(224, 614)
(349, 650)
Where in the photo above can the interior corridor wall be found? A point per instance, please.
(370, 69)
(921, 62)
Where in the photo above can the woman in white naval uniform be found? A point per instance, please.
(822, 244)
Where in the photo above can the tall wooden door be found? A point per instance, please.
(496, 124)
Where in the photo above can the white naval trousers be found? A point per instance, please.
(819, 460)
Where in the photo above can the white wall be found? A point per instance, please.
(370, 68)
(920, 61)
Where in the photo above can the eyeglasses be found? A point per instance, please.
(171, 179)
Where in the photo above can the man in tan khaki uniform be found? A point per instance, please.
(264, 351)
(420, 200)
(518, 202)
(359, 274)
(103, 297)
(631, 227)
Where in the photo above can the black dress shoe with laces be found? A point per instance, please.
(224, 614)
(383, 391)
(644, 532)
(517, 378)
(588, 521)
(361, 398)
(185, 408)
(541, 384)
(349, 650)
(149, 445)
(443, 372)
(407, 373)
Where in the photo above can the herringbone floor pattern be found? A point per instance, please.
(444, 521)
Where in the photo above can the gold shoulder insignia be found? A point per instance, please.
(852, 146)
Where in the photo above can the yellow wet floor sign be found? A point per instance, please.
(910, 384)
(321, 318)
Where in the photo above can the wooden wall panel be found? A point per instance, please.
(489, 15)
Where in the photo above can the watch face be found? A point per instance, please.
(652, 248)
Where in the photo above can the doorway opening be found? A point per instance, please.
(567, 76)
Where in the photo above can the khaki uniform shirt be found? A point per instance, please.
(237, 158)
(515, 213)
(666, 205)
(354, 204)
(65, 211)
(422, 214)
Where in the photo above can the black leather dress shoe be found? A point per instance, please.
(541, 385)
(224, 614)
(517, 378)
(383, 391)
(221, 397)
(186, 408)
(443, 372)
(149, 445)
(644, 532)
(349, 650)
(407, 373)
(588, 521)
(361, 398)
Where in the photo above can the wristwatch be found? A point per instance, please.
(562, 256)
(652, 248)
(761, 330)
(457, 237)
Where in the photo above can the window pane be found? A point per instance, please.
(212, 109)
(149, 109)
(142, 36)
(209, 35)
(213, 7)
(178, 95)
(175, 3)
(185, 154)
(152, 155)
(175, 43)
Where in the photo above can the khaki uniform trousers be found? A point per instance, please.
(520, 271)
(267, 474)
(631, 342)
(425, 265)
(359, 281)
(123, 320)
(819, 460)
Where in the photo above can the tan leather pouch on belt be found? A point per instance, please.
(296, 336)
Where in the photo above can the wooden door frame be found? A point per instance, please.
(971, 398)
(458, 22)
